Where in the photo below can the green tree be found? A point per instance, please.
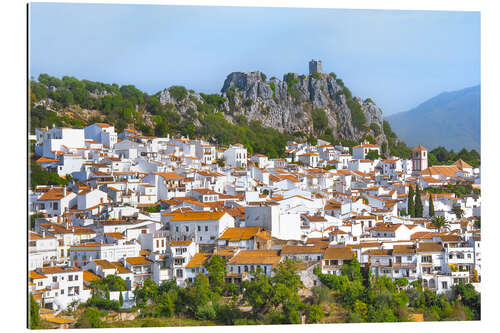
(372, 155)
(440, 223)
(458, 211)
(34, 314)
(90, 319)
(178, 92)
(216, 268)
(121, 299)
(419, 208)
(411, 202)
(320, 121)
(431, 206)
(257, 291)
(197, 293)
(352, 270)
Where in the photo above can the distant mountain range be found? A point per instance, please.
(451, 119)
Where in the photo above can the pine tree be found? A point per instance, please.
(411, 204)
(431, 205)
(419, 209)
(121, 299)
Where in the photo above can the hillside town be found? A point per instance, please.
(149, 208)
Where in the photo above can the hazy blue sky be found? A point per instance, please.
(398, 58)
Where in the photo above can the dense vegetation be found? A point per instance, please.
(379, 299)
(440, 156)
(273, 300)
(355, 294)
(459, 189)
(39, 176)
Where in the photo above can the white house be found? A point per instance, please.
(236, 156)
(103, 133)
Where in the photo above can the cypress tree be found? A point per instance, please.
(411, 204)
(419, 209)
(431, 205)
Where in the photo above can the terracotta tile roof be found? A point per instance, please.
(35, 275)
(138, 261)
(57, 269)
(169, 175)
(46, 160)
(429, 247)
(297, 249)
(343, 253)
(89, 276)
(461, 164)
(120, 268)
(403, 249)
(198, 260)
(104, 264)
(444, 170)
(379, 252)
(197, 216)
(366, 145)
(256, 257)
(180, 243)
(419, 148)
(52, 194)
(236, 234)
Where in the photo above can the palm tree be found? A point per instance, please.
(439, 222)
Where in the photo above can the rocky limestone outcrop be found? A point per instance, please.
(288, 108)
(287, 104)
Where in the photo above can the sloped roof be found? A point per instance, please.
(250, 257)
(236, 234)
(344, 253)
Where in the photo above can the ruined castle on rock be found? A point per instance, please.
(315, 66)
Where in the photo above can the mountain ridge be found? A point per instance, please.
(450, 119)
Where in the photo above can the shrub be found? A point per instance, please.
(205, 312)
(316, 75)
(376, 129)
(315, 314)
(178, 92)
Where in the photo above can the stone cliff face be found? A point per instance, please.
(288, 108)
(287, 104)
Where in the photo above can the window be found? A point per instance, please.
(199, 228)
(54, 279)
(427, 259)
(76, 277)
(408, 258)
(396, 271)
(444, 285)
(55, 206)
(62, 291)
(187, 228)
(176, 229)
(70, 277)
(206, 228)
(157, 243)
